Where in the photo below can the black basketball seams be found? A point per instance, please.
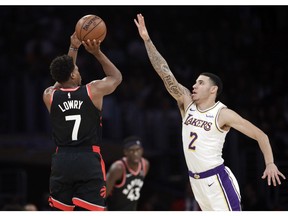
(85, 23)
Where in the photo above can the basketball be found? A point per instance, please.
(90, 27)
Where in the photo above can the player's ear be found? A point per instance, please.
(214, 89)
(72, 75)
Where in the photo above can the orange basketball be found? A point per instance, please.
(90, 27)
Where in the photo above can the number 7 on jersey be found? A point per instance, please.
(77, 119)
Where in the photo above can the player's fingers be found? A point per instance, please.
(140, 18)
(135, 21)
(278, 180)
(269, 180)
(88, 42)
(143, 20)
(94, 42)
(84, 44)
(274, 180)
(281, 174)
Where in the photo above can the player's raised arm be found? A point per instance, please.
(75, 43)
(113, 76)
(178, 91)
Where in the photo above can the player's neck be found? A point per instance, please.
(132, 165)
(205, 104)
(68, 85)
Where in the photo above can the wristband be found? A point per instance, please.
(73, 48)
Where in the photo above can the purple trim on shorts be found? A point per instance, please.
(231, 195)
(229, 190)
(207, 173)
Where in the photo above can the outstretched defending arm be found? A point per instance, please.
(175, 89)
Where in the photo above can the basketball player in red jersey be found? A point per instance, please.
(125, 177)
(78, 178)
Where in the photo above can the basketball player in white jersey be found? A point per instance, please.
(205, 124)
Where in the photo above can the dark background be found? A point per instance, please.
(245, 45)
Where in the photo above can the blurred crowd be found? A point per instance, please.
(245, 45)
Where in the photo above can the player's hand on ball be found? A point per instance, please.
(92, 46)
(74, 41)
(141, 27)
(272, 173)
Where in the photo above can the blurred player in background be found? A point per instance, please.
(205, 123)
(77, 180)
(125, 177)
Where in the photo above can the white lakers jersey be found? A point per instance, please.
(202, 139)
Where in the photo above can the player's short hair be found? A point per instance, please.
(216, 81)
(132, 140)
(61, 67)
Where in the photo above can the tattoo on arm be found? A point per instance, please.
(161, 67)
(172, 86)
(157, 61)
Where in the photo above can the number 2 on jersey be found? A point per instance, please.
(193, 136)
(77, 119)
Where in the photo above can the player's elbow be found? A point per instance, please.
(118, 79)
(116, 82)
(261, 137)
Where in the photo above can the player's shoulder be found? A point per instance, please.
(224, 110)
(146, 165)
(95, 84)
(95, 87)
(146, 161)
(118, 165)
(227, 116)
(48, 94)
(49, 90)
